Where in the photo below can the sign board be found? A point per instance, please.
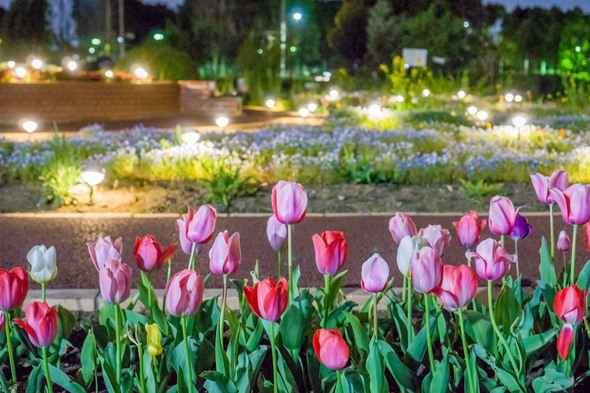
(415, 57)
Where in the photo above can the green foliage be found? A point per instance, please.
(61, 171)
(479, 189)
(223, 181)
(163, 62)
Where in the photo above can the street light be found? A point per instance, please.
(297, 16)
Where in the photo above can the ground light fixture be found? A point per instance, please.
(517, 98)
(334, 94)
(519, 121)
(472, 110)
(509, 97)
(20, 72)
(140, 73)
(222, 121)
(72, 65)
(270, 103)
(461, 94)
(312, 106)
(482, 115)
(190, 137)
(29, 125)
(303, 112)
(425, 92)
(374, 110)
(11, 64)
(92, 177)
(109, 74)
(37, 64)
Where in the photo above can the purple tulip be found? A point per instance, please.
(521, 229)
(374, 273)
(225, 256)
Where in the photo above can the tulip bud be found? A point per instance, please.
(563, 242)
(149, 254)
(426, 270)
(331, 250)
(153, 339)
(543, 184)
(401, 226)
(105, 250)
(330, 348)
(200, 225)
(502, 215)
(289, 202)
(276, 232)
(574, 203)
(458, 286)
(14, 286)
(184, 293)
(491, 260)
(521, 229)
(43, 262)
(225, 256)
(407, 247)
(569, 305)
(436, 237)
(41, 324)
(115, 282)
(375, 273)
(268, 299)
(469, 228)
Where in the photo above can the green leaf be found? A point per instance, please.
(133, 318)
(377, 381)
(507, 306)
(218, 383)
(148, 372)
(505, 377)
(67, 321)
(405, 377)
(552, 381)
(335, 286)
(440, 379)
(546, 267)
(34, 380)
(361, 340)
(88, 358)
(583, 281)
(61, 378)
(479, 328)
(293, 328)
(537, 341)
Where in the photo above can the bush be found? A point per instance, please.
(163, 62)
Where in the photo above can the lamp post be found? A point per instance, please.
(121, 38)
(283, 33)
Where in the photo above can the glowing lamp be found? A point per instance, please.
(222, 121)
(29, 125)
(303, 112)
(11, 64)
(140, 73)
(270, 103)
(461, 94)
(509, 97)
(190, 137)
(519, 121)
(425, 92)
(37, 64)
(312, 106)
(482, 115)
(517, 98)
(472, 110)
(20, 72)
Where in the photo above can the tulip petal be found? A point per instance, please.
(564, 340)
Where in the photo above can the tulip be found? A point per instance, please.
(105, 250)
(185, 244)
(200, 225)
(492, 261)
(426, 270)
(268, 299)
(184, 293)
(569, 305)
(564, 243)
(153, 339)
(408, 246)
(331, 250)
(41, 324)
(374, 273)
(521, 229)
(149, 254)
(401, 226)
(15, 285)
(276, 232)
(543, 184)
(574, 203)
(588, 235)
(436, 237)
(330, 348)
(2, 321)
(502, 215)
(43, 263)
(225, 255)
(115, 282)
(469, 229)
(458, 286)
(289, 202)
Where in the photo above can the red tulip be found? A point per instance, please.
(543, 184)
(437, 237)
(564, 243)
(149, 254)
(588, 235)
(268, 299)
(14, 285)
(458, 286)
(105, 250)
(502, 215)
(569, 305)
(41, 324)
(331, 250)
(225, 256)
(492, 261)
(574, 203)
(184, 293)
(374, 273)
(115, 282)
(330, 348)
(469, 229)
(200, 225)
(276, 232)
(289, 202)
(400, 226)
(427, 269)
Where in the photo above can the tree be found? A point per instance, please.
(380, 28)
(348, 37)
(61, 23)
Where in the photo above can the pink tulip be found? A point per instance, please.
(570, 306)
(225, 256)
(2, 320)
(105, 250)
(184, 293)
(574, 203)
(563, 242)
(14, 285)
(331, 250)
(276, 232)
(200, 225)
(149, 254)
(330, 348)
(185, 244)
(374, 273)
(469, 229)
(458, 286)
(502, 215)
(492, 261)
(587, 236)
(400, 226)
(436, 237)
(289, 202)
(268, 299)
(543, 184)
(115, 282)
(41, 324)
(426, 270)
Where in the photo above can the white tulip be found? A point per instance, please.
(408, 246)
(43, 262)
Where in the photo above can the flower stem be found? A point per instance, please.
(339, 377)
(222, 314)
(473, 306)
(472, 381)
(191, 261)
(43, 297)
(326, 300)
(552, 234)
(290, 259)
(516, 252)
(375, 325)
(497, 330)
(405, 282)
(150, 295)
(409, 311)
(169, 275)
(9, 344)
(140, 353)
(275, 381)
(118, 341)
(189, 366)
(279, 254)
(46, 365)
(573, 262)
(428, 336)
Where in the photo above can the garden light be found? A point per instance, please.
(11, 64)
(334, 94)
(108, 74)
(303, 112)
(37, 64)
(472, 110)
(519, 121)
(425, 92)
(312, 106)
(140, 73)
(92, 177)
(158, 36)
(270, 103)
(29, 125)
(518, 98)
(95, 41)
(374, 110)
(222, 121)
(461, 94)
(509, 97)
(72, 65)
(399, 98)
(120, 40)
(297, 16)
(91, 50)
(190, 137)
(482, 115)
(20, 72)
